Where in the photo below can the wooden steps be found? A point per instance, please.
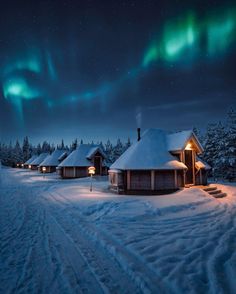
(215, 192)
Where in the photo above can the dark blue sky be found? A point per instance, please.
(86, 68)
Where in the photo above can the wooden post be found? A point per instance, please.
(152, 179)
(176, 179)
(193, 166)
(200, 173)
(128, 179)
(74, 171)
(184, 176)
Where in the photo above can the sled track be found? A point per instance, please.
(105, 255)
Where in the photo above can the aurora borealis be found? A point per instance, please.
(83, 67)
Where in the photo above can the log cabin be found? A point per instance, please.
(29, 161)
(51, 162)
(159, 162)
(77, 163)
(39, 159)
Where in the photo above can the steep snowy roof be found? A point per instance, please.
(202, 164)
(178, 141)
(53, 159)
(151, 152)
(39, 159)
(32, 158)
(81, 156)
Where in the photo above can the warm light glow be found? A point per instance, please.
(43, 168)
(22, 164)
(29, 166)
(188, 146)
(91, 170)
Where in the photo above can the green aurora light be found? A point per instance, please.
(183, 37)
(180, 40)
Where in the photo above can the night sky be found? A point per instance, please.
(96, 69)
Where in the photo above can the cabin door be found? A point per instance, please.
(98, 165)
(189, 163)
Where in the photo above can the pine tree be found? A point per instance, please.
(230, 154)
(17, 156)
(26, 149)
(118, 150)
(109, 150)
(210, 147)
(74, 144)
(220, 146)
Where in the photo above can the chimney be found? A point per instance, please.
(139, 136)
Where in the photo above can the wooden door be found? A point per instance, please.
(189, 163)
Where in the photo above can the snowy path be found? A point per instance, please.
(57, 237)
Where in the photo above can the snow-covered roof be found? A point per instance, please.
(81, 156)
(39, 159)
(32, 158)
(53, 159)
(151, 152)
(202, 164)
(178, 141)
(94, 150)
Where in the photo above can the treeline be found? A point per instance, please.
(11, 154)
(219, 142)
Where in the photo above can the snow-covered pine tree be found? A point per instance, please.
(74, 144)
(46, 147)
(38, 149)
(17, 155)
(26, 149)
(109, 150)
(230, 150)
(117, 150)
(210, 145)
(220, 148)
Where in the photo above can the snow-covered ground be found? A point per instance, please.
(57, 237)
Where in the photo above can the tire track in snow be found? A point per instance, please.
(145, 279)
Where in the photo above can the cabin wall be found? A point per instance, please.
(74, 172)
(165, 180)
(49, 169)
(116, 180)
(34, 167)
(146, 181)
(140, 180)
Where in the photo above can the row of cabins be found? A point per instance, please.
(158, 162)
(73, 164)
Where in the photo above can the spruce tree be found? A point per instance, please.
(230, 154)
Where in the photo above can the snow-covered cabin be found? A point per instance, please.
(29, 161)
(39, 159)
(77, 163)
(159, 161)
(51, 162)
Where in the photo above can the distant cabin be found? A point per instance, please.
(36, 162)
(77, 163)
(29, 161)
(50, 163)
(159, 162)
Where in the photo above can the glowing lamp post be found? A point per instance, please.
(44, 170)
(91, 171)
(22, 165)
(29, 166)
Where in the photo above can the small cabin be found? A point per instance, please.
(77, 163)
(159, 162)
(29, 161)
(37, 161)
(51, 162)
